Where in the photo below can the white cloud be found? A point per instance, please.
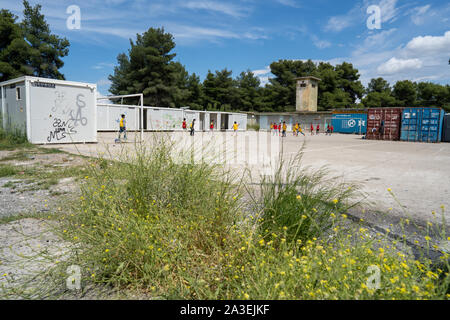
(289, 3)
(389, 11)
(422, 58)
(203, 33)
(395, 65)
(221, 7)
(264, 81)
(418, 14)
(103, 65)
(118, 32)
(426, 45)
(339, 23)
(321, 44)
(260, 72)
(263, 75)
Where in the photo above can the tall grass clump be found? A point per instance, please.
(12, 139)
(300, 201)
(154, 216)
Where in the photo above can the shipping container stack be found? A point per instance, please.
(384, 124)
(422, 124)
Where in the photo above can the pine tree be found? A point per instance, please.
(148, 68)
(14, 51)
(47, 49)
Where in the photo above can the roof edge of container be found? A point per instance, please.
(55, 81)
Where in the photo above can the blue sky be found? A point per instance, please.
(413, 42)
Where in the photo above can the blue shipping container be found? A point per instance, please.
(350, 123)
(422, 124)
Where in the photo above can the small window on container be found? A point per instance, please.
(18, 94)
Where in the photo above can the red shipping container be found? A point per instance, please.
(384, 123)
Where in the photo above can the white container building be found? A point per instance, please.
(50, 111)
(165, 119)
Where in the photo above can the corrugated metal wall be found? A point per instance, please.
(384, 123)
(350, 123)
(422, 124)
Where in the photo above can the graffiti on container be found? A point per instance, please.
(61, 129)
(170, 122)
(79, 116)
(60, 103)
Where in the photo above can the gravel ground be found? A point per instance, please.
(16, 203)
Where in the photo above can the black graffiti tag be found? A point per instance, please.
(61, 129)
(79, 116)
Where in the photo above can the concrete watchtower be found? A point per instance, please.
(307, 92)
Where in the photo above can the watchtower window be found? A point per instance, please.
(303, 85)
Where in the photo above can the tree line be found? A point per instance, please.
(29, 48)
(149, 68)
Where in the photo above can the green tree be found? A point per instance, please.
(47, 49)
(196, 96)
(249, 90)
(149, 69)
(405, 92)
(379, 95)
(378, 85)
(348, 81)
(377, 99)
(14, 51)
(220, 91)
(432, 95)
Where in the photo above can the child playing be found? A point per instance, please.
(235, 128)
(192, 127)
(284, 129)
(122, 127)
(300, 129)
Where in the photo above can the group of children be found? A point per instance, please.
(211, 126)
(276, 129)
(281, 128)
